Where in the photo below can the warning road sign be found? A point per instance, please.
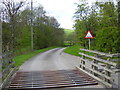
(89, 35)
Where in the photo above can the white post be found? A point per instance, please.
(89, 44)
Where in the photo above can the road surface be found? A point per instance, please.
(54, 59)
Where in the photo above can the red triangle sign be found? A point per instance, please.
(89, 35)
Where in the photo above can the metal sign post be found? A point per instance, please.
(89, 44)
(89, 36)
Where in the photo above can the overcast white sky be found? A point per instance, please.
(62, 10)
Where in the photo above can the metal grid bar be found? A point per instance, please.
(50, 79)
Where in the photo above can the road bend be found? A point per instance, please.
(54, 59)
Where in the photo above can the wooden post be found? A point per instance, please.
(116, 83)
(82, 62)
(107, 72)
(0, 52)
(95, 67)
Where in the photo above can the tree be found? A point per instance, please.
(108, 29)
(102, 19)
(81, 21)
(24, 17)
(17, 28)
(53, 22)
(107, 40)
(12, 9)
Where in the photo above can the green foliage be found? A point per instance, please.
(47, 36)
(108, 39)
(6, 35)
(69, 37)
(101, 19)
(17, 33)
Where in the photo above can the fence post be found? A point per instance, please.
(82, 62)
(95, 67)
(0, 52)
(107, 72)
(116, 83)
(116, 76)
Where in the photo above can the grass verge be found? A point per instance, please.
(19, 60)
(73, 50)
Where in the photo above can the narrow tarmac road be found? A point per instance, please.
(54, 59)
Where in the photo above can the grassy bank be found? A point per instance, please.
(22, 58)
(68, 31)
(73, 50)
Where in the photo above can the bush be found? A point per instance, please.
(108, 40)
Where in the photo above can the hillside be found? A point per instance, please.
(68, 31)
